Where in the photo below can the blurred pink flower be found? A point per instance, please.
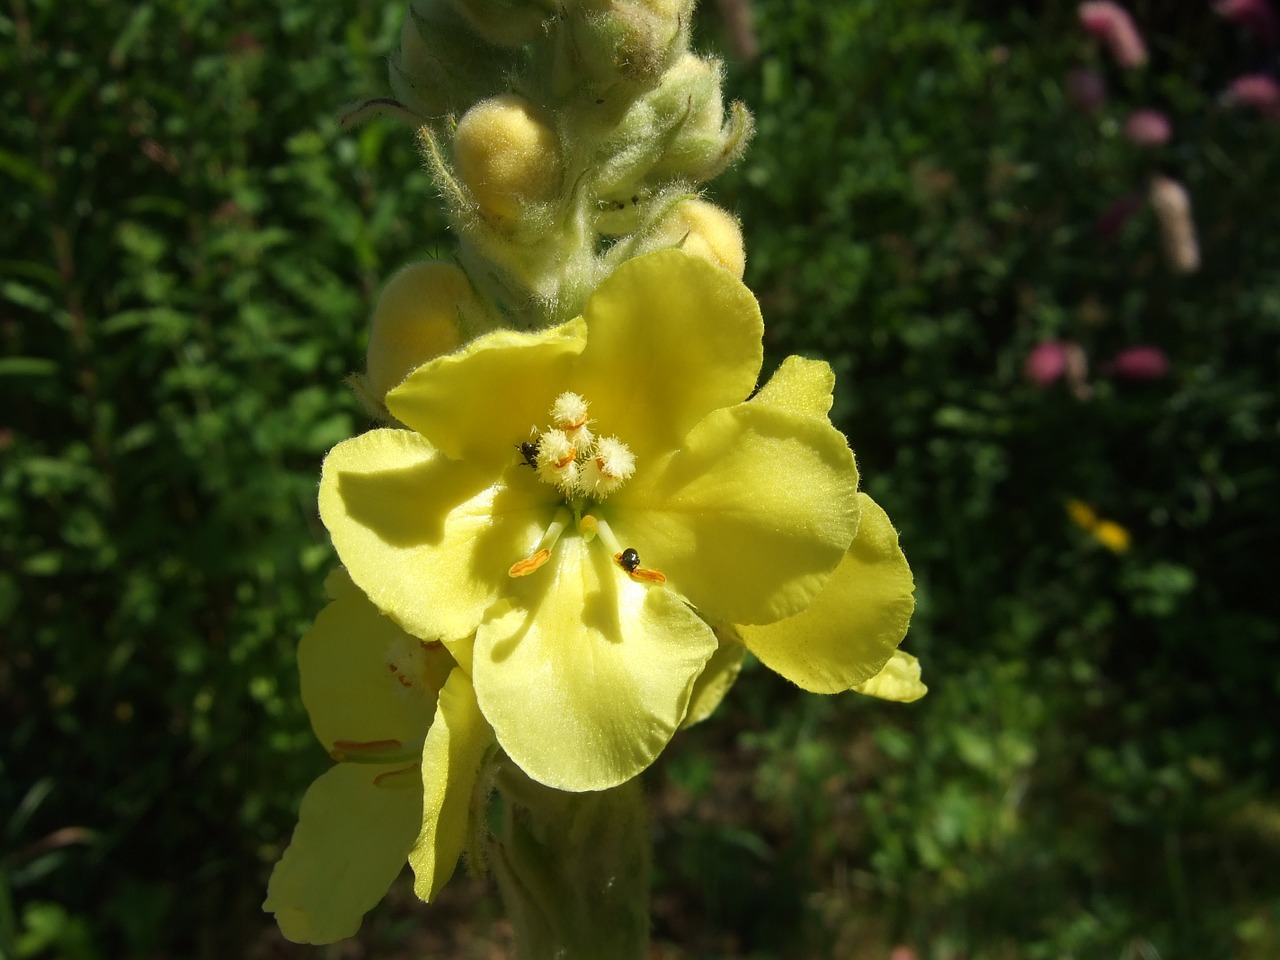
(1112, 24)
(1254, 15)
(1046, 362)
(1086, 89)
(1138, 363)
(1052, 360)
(1255, 90)
(1112, 220)
(1147, 128)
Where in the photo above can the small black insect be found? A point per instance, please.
(529, 452)
(629, 559)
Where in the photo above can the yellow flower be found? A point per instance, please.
(1110, 534)
(403, 723)
(584, 503)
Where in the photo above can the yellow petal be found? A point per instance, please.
(749, 518)
(801, 386)
(899, 680)
(363, 678)
(451, 760)
(351, 842)
(585, 675)
(855, 624)
(670, 338)
(716, 678)
(478, 403)
(428, 539)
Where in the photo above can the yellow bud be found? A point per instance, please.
(709, 232)
(419, 316)
(507, 155)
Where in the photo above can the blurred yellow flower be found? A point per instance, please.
(1110, 534)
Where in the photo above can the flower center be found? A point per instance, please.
(569, 456)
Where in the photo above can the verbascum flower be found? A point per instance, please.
(593, 513)
(402, 721)
(1112, 23)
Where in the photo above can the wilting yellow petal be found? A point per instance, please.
(584, 674)
(899, 680)
(363, 678)
(848, 633)
(351, 841)
(716, 678)
(801, 386)
(451, 760)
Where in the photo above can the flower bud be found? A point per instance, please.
(442, 64)
(507, 155)
(629, 41)
(420, 316)
(673, 129)
(706, 231)
(507, 23)
(689, 102)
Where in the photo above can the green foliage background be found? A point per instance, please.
(190, 251)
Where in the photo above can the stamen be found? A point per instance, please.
(557, 460)
(611, 467)
(569, 412)
(628, 560)
(399, 778)
(542, 553)
(522, 568)
(375, 751)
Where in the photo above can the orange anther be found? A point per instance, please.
(646, 575)
(522, 568)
